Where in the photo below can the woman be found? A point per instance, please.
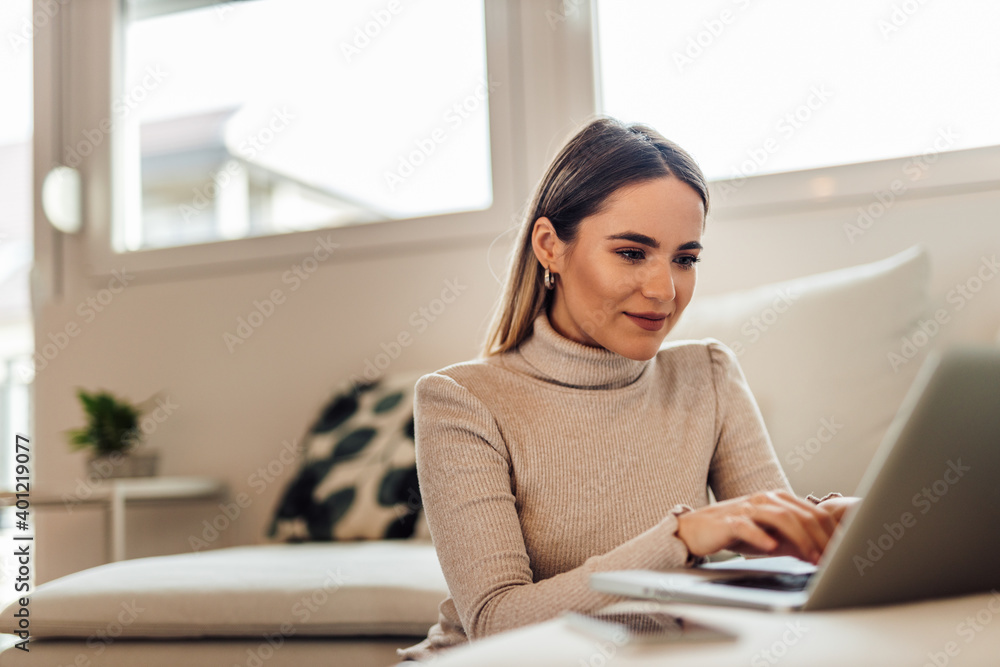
(576, 444)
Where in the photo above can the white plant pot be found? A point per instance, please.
(117, 464)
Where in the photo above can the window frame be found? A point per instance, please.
(93, 64)
(864, 184)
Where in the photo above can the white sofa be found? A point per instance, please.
(825, 355)
(350, 603)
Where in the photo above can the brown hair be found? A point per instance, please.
(601, 158)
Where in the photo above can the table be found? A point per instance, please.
(116, 493)
(951, 632)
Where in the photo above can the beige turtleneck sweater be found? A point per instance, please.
(549, 462)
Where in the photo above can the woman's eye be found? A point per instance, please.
(688, 261)
(631, 254)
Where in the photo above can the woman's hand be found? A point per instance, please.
(774, 523)
(838, 506)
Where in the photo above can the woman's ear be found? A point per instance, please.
(546, 244)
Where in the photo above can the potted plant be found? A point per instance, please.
(111, 434)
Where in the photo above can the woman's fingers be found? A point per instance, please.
(775, 523)
(807, 526)
(837, 507)
(798, 529)
(779, 521)
(744, 531)
(785, 525)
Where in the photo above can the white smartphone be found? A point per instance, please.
(643, 627)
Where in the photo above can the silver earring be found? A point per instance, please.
(550, 281)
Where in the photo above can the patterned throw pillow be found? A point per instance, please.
(358, 478)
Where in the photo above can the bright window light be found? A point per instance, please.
(754, 87)
(17, 29)
(269, 116)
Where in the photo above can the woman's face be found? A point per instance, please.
(630, 273)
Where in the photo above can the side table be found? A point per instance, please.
(115, 494)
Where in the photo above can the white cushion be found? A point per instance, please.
(359, 588)
(816, 353)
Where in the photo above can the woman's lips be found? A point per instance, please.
(648, 321)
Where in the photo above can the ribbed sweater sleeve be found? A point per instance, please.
(469, 499)
(744, 461)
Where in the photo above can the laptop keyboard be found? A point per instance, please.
(774, 582)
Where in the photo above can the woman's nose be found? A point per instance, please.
(658, 282)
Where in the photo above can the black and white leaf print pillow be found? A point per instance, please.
(358, 477)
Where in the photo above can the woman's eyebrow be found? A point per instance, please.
(636, 237)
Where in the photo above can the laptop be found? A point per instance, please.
(928, 525)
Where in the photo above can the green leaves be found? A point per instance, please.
(112, 424)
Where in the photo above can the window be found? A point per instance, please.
(405, 147)
(212, 135)
(15, 225)
(754, 88)
(243, 119)
(15, 249)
